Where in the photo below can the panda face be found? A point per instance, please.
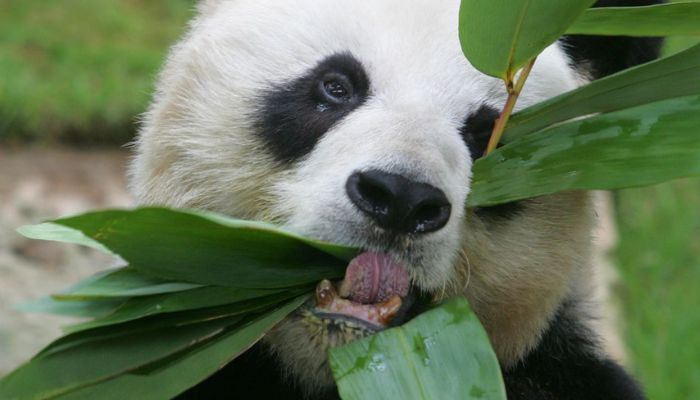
(354, 122)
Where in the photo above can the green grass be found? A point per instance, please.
(659, 261)
(81, 69)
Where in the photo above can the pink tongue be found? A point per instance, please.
(372, 278)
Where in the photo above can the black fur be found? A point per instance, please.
(477, 129)
(296, 115)
(565, 366)
(253, 375)
(476, 132)
(501, 212)
(600, 56)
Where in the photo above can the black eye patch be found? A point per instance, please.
(477, 128)
(294, 116)
(476, 133)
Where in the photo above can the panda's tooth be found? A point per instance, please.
(388, 309)
(325, 293)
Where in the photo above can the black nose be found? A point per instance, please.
(397, 203)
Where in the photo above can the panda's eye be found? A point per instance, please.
(336, 88)
(296, 114)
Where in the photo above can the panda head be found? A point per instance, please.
(357, 122)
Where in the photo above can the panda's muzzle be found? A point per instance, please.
(372, 292)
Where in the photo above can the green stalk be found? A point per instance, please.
(514, 91)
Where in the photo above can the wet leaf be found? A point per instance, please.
(443, 353)
(635, 147)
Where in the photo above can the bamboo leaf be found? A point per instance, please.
(82, 309)
(145, 325)
(78, 336)
(190, 369)
(635, 147)
(49, 376)
(498, 37)
(656, 20)
(443, 353)
(122, 282)
(338, 251)
(202, 248)
(675, 76)
(60, 233)
(230, 300)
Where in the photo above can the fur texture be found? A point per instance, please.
(203, 145)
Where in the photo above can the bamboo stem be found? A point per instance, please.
(514, 91)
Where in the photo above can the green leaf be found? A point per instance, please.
(98, 331)
(51, 375)
(338, 251)
(123, 282)
(60, 233)
(83, 309)
(500, 36)
(145, 325)
(635, 147)
(190, 369)
(232, 301)
(206, 249)
(675, 76)
(443, 353)
(656, 20)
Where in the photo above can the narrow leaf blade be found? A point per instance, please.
(235, 301)
(192, 368)
(51, 375)
(82, 309)
(122, 282)
(59, 233)
(675, 76)
(657, 20)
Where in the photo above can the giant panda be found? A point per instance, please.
(358, 122)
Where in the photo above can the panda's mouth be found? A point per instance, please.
(375, 293)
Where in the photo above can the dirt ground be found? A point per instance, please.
(38, 184)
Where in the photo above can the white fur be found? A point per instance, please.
(198, 148)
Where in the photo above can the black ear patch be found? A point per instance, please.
(600, 56)
(294, 116)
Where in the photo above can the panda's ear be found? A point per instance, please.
(208, 6)
(599, 56)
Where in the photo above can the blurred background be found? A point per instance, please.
(76, 74)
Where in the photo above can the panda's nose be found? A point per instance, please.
(397, 203)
